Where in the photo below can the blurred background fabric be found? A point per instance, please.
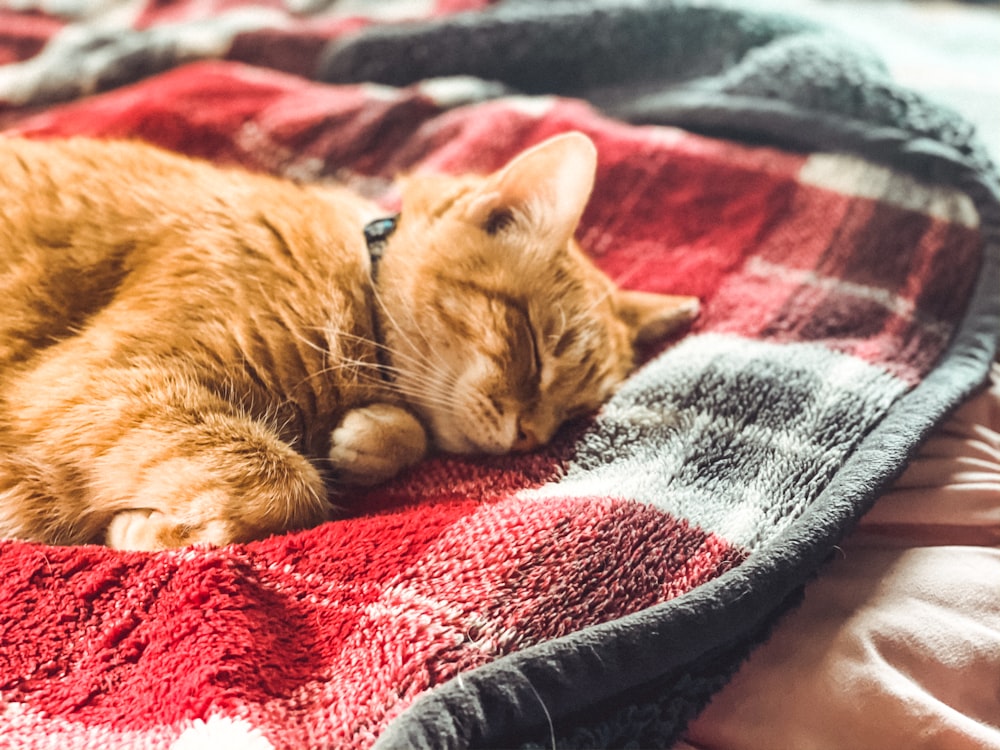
(949, 51)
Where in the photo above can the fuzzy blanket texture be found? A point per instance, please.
(841, 232)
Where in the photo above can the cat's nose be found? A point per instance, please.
(526, 439)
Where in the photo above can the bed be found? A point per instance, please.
(677, 569)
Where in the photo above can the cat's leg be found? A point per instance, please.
(221, 479)
(96, 438)
(376, 442)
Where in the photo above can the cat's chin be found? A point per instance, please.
(452, 439)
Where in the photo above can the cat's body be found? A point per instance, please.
(190, 354)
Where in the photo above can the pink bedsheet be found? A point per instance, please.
(897, 644)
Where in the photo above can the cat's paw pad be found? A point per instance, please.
(137, 530)
(374, 443)
(147, 530)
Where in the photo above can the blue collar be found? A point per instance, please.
(377, 233)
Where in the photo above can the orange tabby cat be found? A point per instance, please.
(188, 353)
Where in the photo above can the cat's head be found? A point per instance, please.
(498, 327)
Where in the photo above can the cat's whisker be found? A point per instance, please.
(388, 313)
(433, 379)
(425, 397)
(357, 365)
(600, 300)
(619, 280)
(423, 384)
(563, 323)
(424, 390)
(396, 355)
(311, 344)
(623, 277)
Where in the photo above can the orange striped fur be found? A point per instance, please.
(189, 353)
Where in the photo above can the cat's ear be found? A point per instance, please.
(652, 316)
(542, 191)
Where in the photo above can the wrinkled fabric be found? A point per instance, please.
(897, 644)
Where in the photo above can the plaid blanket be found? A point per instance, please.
(841, 233)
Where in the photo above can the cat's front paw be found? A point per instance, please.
(374, 443)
